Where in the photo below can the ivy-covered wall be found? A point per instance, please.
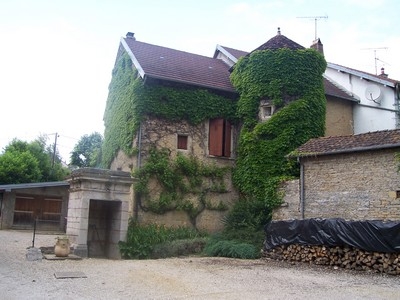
(130, 101)
(292, 81)
(171, 181)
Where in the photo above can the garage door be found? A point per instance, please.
(46, 210)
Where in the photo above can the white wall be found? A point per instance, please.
(368, 115)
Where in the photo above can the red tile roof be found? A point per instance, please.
(179, 66)
(351, 143)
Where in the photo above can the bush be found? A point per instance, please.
(234, 249)
(142, 239)
(179, 248)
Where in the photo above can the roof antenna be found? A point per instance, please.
(316, 18)
(376, 58)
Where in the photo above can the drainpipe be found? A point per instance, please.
(302, 202)
(138, 165)
(1, 210)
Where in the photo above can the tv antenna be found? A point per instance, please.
(316, 19)
(376, 58)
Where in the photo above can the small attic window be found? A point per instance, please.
(266, 111)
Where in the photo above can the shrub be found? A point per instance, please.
(232, 249)
(142, 239)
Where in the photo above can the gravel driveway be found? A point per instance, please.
(177, 278)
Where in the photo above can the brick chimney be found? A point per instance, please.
(383, 74)
(130, 35)
(317, 45)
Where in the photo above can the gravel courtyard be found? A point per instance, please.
(177, 278)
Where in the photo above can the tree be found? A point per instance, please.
(87, 152)
(24, 162)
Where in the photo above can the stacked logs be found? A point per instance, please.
(344, 257)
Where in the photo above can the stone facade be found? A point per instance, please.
(339, 117)
(164, 134)
(353, 186)
(98, 211)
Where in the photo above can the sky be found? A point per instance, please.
(56, 56)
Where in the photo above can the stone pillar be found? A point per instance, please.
(97, 184)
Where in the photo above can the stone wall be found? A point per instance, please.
(354, 186)
(290, 208)
(164, 134)
(339, 117)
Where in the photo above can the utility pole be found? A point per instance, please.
(316, 19)
(54, 150)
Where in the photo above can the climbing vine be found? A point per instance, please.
(180, 177)
(130, 100)
(292, 81)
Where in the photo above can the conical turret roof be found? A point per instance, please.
(278, 42)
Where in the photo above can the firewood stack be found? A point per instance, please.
(344, 257)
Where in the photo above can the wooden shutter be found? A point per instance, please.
(227, 139)
(215, 138)
(182, 142)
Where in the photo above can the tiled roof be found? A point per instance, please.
(278, 42)
(350, 143)
(331, 89)
(179, 66)
(235, 52)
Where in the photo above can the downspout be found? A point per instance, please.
(302, 202)
(137, 195)
(1, 210)
(397, 104)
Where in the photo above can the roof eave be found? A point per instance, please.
(133, 58)
(188, 83)
(226, 52)
(342, 151)
(361, 74)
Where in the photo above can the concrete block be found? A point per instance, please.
(34, 254)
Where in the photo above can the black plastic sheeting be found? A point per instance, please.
(373, 236)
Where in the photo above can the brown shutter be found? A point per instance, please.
(215, 138)
(227, 139)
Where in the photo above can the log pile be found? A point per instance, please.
(344, 257)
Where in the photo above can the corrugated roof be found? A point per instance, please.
(350, 143)
(179, 66)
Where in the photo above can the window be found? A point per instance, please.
(182, 142)
(266, 111)
(219, 139)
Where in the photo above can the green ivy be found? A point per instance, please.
(292, 80)
(179, 177)
(130, 100)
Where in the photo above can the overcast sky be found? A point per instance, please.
(56, 56)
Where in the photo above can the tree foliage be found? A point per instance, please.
(87, 152)
(24, 162)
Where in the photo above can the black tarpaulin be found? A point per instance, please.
(374, 235)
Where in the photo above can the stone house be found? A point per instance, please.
(213, 141)
(354, 177)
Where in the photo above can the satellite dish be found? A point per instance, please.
(373, 93)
